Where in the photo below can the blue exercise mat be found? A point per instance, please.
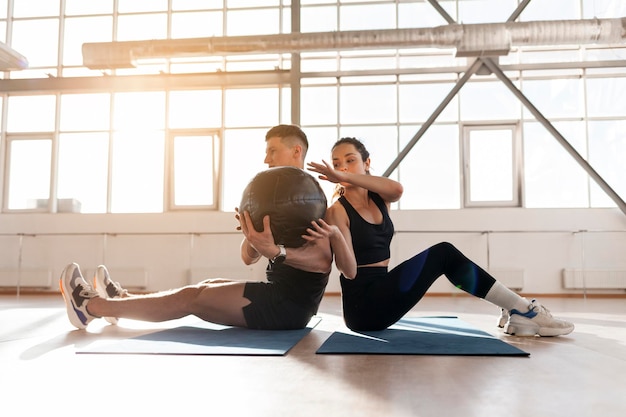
(206, 339)
(420, 336)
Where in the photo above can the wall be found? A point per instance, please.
(526, 248)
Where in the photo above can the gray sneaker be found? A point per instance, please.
(107, 288)
(536, 322)
(76, 292)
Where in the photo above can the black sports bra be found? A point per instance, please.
(370, 241)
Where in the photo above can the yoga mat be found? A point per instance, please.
(420, 336)
(207, 339)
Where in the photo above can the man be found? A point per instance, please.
(286, 145)
(296, 277)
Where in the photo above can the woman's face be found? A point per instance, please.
(348, 159)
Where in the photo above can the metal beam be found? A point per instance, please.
(568, 147)
(145, 82)
(474, 67)
(468, 74)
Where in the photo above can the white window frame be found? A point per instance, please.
(169, 189)
(52, 202)
(516, 177)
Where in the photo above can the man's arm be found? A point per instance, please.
(249, 255)
(313, 256)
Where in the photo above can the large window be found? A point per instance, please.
(187, 132)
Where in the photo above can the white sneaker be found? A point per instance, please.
(107, 288)
(504, 317)
(76, 292)
(536, 322)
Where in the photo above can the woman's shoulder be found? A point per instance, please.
(336, 210)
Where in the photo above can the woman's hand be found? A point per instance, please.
(326, 172)
(320, 230)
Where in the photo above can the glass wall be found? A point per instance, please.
(153, 138)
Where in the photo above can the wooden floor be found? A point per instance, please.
(583, 374)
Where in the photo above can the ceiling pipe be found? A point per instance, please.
(486, 39)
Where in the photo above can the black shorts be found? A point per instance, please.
(286, 302)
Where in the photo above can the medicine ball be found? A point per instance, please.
(291, 197)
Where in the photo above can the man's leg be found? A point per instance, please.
(220, 303)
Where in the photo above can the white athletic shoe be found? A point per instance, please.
(76, 292)
(536, 322)
(504, 317)
(107, 288)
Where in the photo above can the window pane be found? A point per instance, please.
(321, 141)
(244, 152)
(80, 30)
(254, 107)
(319, 105)
(551, 10)
(22, 108)
(486, 11)
(607, 155)
(137, 177)
(82, 7)
(422, 15)
(29, 173)
(142, 27)
(368, 63)
(197, 4)
(603, 9)
(191, 109)
(35, 8)
(139, 111)
(197, 24)
(552, 178)
(193, 170)
(430, 171)
(319, 19)
(555, 98)
(85, 111)
(368, 104)
(367, 17)
(252, 22)
(37, 40)
(490, 165)
(414, 107)
(488, 101)
(83, 170)
(232, 4)
(605, 97)
(381, 142)
(128, 6)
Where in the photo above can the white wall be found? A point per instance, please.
(159, 251)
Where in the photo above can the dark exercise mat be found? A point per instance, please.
(207, 339)
(420, 336)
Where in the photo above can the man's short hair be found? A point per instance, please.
(291, 134)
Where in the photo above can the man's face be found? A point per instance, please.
(277, 154)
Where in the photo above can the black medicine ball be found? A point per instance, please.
(291, 197)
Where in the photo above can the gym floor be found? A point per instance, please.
(582, 374)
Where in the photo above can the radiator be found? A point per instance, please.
(26, 277)
(594, 279)
(509, 277)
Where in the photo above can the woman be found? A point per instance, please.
(378, 297)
